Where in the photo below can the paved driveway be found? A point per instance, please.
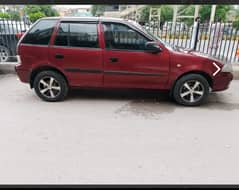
(116, 137)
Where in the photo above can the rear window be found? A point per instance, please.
(40, 34)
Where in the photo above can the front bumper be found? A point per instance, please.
(222, 81)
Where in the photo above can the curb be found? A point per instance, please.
(235, 68)
(7, 68)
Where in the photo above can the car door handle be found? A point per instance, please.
(59, 56)
(114, 59)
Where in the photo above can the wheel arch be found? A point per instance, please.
(204, 74)
(37, 70)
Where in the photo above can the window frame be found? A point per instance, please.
(68, 35)
(127, 25)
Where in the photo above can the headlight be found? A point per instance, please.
(227, 68)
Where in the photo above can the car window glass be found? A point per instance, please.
(40, 33)
(119, 36)
(83, 35)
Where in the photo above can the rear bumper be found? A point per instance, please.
(222, 81)
(22, 72)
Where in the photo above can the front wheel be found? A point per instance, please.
(191, 90)
(4, 54)
(50, 86)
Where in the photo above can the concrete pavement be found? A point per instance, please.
(119, 137)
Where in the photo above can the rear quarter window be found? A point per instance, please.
(41, 33)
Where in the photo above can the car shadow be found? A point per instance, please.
(146, 103)
(113, 94)
(153, 100)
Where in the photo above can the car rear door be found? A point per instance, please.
(127, 64)
(77, 52)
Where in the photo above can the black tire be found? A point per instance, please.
(59, 82)
(182, 94)
(4, 54)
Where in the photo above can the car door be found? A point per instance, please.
(76, 51)
(127, 64)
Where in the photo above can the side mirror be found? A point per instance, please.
(152, 47)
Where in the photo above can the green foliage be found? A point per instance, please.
(4, 15)
(38, 11)
(35, 16)
(236, 21)
(205, 12)
(97, 10)
(166, 13)
(14, 15)
(187, 10)
(221, 12)
(144, 14)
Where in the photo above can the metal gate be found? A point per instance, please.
(10, 31)
(220, 40)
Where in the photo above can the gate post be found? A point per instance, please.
(195, 33)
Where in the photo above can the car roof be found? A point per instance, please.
(90, 19)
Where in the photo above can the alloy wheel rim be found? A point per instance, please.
(3, 54)
(49, 87)
(192, 91)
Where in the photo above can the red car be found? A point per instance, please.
(61, 53)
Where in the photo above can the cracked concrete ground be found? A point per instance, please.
(116, 137)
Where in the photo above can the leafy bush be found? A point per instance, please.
(236, 22)
(38, 11)
(35, 16)
(4, 15)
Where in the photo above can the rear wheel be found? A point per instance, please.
(191, 90)
(50, 86)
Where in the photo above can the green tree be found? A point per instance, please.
(97, 10)
(14, 15)
(144, 14)
(205, 12)
(28, 9)
(221, 12)
(35, 16)
(38, 11)
(187, 10)
(236, 21)
(166, 13)
(49, 11)
(4, 15)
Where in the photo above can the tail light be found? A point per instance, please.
(19, 35)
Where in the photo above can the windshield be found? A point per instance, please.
(155, 38)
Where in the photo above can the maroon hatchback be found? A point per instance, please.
(61, 53)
